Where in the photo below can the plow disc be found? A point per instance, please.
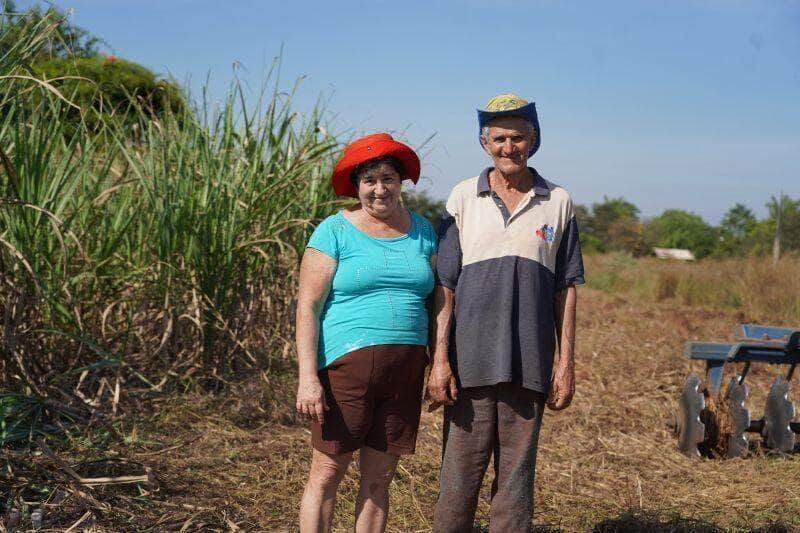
(691, 431)
(711, 423)
(739, 417)
(778, 415)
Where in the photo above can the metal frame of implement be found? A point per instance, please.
(760, 344)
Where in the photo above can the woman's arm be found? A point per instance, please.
(316, 276)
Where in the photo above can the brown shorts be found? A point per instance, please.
(374, 397)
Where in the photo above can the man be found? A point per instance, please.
(508, 262)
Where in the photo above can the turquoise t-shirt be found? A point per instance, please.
(379, 288)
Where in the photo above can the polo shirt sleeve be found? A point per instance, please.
(448, 258)
(569, 260)
(324, 239)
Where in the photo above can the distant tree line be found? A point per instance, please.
(615, 225)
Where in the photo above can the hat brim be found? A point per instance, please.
(528, 112)
(340, 180)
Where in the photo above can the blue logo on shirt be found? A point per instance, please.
(546, 233)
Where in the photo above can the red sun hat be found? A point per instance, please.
(371, 147)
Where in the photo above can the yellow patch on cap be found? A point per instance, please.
(505, 102)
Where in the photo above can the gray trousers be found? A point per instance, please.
(501, 420)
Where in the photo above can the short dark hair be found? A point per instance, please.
(366, 166)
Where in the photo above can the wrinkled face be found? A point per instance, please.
(379, 190)
(508, 142)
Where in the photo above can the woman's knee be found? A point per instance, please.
(377, 470)
(328, 470)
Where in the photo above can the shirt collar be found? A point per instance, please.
(483, 181)
(540, 186)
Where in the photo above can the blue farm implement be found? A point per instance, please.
(713, 421)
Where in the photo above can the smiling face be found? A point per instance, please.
(508, 141)
(379, 187)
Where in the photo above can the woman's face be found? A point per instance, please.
(379, 190)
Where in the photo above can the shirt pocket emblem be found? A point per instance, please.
(547, 233)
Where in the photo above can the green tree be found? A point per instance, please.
(739, 221)
(609, 212)
(761, 237)
(785, 213)
(107, 86)
(422, 204)
(590, 244)
(614, 226)
(676, 228)
(736, 230)
(66, 40)
(584, 217)
(69, 60)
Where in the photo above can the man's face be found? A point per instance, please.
(508, 143)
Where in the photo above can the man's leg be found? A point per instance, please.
(519, 417)
(469, 434)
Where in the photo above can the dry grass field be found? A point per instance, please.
(608, 463)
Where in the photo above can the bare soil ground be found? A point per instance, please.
(608, 463)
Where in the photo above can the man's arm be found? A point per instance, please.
(563, 385)
(442, 387)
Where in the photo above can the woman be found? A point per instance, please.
(362, 327)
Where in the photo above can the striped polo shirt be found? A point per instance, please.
(505, 269)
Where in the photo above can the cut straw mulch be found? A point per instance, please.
(607, 463)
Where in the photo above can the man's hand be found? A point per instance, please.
(311, 402)
(562, 388)
(442, 388)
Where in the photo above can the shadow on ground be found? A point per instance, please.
(642, 522)
(651, 522)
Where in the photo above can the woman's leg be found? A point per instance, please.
(372, 504)
(319, 497)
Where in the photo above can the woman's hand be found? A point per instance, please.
(442, 388)
(311, 401)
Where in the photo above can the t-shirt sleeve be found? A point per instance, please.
(569, 260)
(324, 239)
(448, 257)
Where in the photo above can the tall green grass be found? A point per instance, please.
(134, 256)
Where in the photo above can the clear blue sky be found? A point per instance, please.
(685, 104)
